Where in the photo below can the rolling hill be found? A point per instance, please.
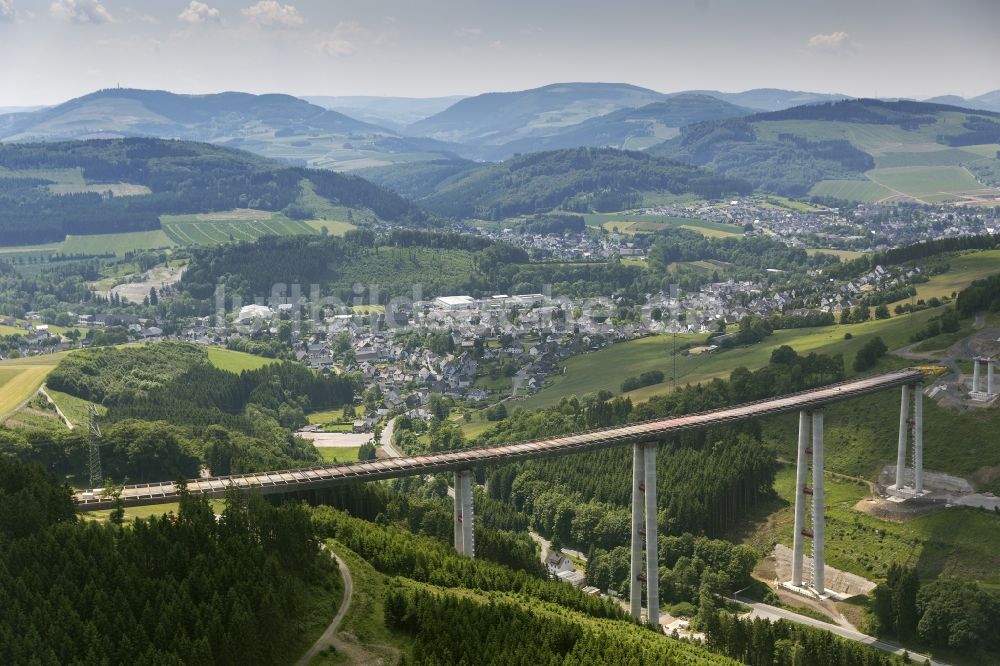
(628, 129)
(855, 150)
(496, 118)
(115, 186)
(770, 99)
(986, 102)
(578, 179)
(279, 126)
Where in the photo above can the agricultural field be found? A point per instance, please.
(851, 190)
(238, 225)
(931, 184)
(21, 377)
(95, 244)
(844, 255)
(633, 224)
(236, 361)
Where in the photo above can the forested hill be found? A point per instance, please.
(580, 180)
(273, 125)
(791, 150)
(632, 129)
(49, 190)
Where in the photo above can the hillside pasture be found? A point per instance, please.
(851, 190)
(932, 184)
(238, 225)
(637, 224)
(607, 368)
(946, 157)
(236, 361)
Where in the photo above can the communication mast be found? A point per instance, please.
(96, 478)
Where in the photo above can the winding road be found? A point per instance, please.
(354, 654)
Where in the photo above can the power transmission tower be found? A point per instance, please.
(96, 478)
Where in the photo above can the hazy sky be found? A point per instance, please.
(54, 50)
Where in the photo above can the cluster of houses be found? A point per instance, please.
(868, 227)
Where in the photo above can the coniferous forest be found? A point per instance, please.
(185, 588)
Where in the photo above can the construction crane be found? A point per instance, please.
(96, 478)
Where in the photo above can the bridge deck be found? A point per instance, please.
(316, 477)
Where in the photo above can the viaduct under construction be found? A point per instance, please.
(644, 439)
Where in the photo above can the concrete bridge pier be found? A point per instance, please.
(801, 491)
(652, 548)
(638, 513)
(819, 584)
(644, 530)
(810, 428)
(906, 425)
(981, 392)
(463, 513)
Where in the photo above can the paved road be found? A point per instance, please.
(386, 441)
(774, 613)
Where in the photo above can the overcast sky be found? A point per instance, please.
(54, 50)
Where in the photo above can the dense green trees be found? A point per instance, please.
(868, 356)
(183, 177)
(184, 588)
(945, 613)
(979, 296)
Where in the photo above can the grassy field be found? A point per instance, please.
(609, 367)
(97, 244)
(928, 183)
(851, 190)
(238, 225)
(20, 379)
(75, 409)
(964, 269)
(633, 224)
(133, 512)
(325, 416)
(954, 542)
(338, 454)
(946, 157)
(845, 255)
(236, 361)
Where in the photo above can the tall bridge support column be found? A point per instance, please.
(904, 418)
(801, 498)
(459, 533)
(990, 385)
(652, 548)
(918, 438)
(975, 375)
(818, 509)
(468, 546)
(638, 505)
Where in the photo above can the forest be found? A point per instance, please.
(183, 178)
(579, 179)
(181, 588)
(169, 412)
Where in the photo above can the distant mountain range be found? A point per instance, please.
(279, 126)
(352, 132)
(392, 112)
